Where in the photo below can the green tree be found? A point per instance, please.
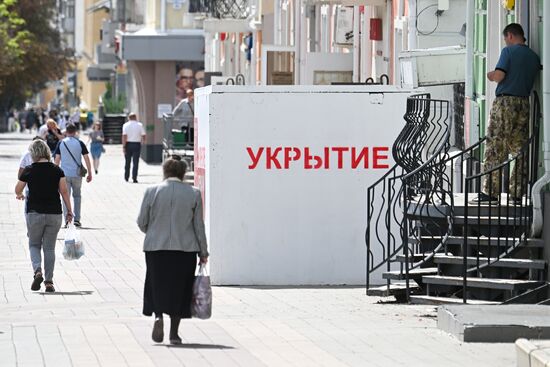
(31, 50)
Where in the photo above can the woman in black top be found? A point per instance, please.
(53, 136)
(43, 210)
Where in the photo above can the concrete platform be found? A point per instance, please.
(533, 353)
(495, 324)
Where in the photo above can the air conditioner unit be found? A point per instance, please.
(343, 34)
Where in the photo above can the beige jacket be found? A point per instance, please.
(171, 218)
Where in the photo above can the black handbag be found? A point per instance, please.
(82, 171)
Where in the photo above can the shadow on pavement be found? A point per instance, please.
(196, 346)
(75, 293)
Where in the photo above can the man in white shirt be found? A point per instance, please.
(133, 135)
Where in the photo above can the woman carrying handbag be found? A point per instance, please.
(171, 218)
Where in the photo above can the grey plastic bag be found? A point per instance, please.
(201, 304)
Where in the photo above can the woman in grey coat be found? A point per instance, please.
(171, 218)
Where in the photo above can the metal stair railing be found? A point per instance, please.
(513, 217)
(419, 149)
(427, 193)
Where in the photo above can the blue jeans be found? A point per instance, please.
(74, 184)
(42, 230)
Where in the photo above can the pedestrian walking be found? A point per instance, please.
(26, 159)
(31, 120)
(508, 131)
(53, 134)
(96, 144)
(45, 181)
(171, 218)
(75, 118)
(21, 118)
(133, 135)
(89, 119)
(68, 156)
(11, 121)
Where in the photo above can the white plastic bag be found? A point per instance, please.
(74, 248)
(201, 305)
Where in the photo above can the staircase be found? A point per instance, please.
(431, 243)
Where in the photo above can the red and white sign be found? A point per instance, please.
(284, 173)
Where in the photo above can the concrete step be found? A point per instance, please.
(421, 208)
(396, 289)
(493, 241)
(502, 263)
(494, 323)
(432, 300)
(532, 353)
(413, 258)
(413, 274)
(488, 283)
(492, 220)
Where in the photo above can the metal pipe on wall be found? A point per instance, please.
(470, 19)
(412, 25)
(545, 179)
(356, 45)
(277, 22)
(163, 15)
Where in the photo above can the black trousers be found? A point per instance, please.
(133, 150)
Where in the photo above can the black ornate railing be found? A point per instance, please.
(410, 187)
(427, 193)
(423, 201)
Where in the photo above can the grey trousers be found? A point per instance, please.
(74, 185)
(42, 230)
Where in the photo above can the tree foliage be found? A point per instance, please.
(31, 50)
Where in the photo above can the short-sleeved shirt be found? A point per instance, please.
(95, 135)
(77, 149)
(521, 65)
(133, 130)
(26, 160)
(42, 180)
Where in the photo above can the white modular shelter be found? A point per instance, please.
(284, 173)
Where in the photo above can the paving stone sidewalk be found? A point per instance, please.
(94, 319)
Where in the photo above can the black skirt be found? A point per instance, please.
(169, 283)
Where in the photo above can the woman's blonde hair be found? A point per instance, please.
(52, 122)
(98, 124)
(40, 150)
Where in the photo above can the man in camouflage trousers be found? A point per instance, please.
(515, 73)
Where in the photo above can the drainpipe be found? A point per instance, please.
(470, 19)
(356, 44)
(163, 16)
(412, 25)
(538, 186)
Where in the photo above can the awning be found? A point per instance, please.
(151, 45)
(100, 72)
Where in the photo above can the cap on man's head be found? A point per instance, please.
(71, 128)
(514, 29)
(132, 116)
